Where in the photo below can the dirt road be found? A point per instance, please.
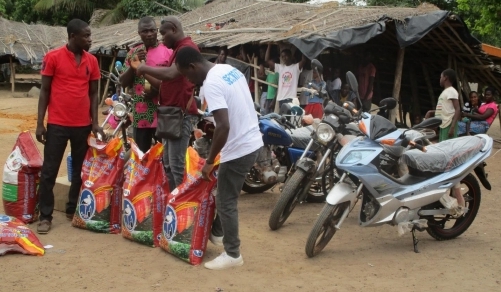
(357, 259)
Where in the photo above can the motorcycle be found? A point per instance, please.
(283, 146)
(118, 118)
(310, 178)
(411, 202)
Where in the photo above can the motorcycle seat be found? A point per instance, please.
(301, 137)
(444, 156)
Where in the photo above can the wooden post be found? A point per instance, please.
(99, 81)
(257, 96)
(398, 83)
(12, 74)
(459, 84)
(108, 80)
(428, 85)
(416, 109)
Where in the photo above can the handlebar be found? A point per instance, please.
(280, 119)
(353, 110)
(418, 146)
(406, 142)
(285, 121)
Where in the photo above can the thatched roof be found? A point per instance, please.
(29, 43)
(261, 21)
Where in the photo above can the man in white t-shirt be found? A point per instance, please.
(288, 74)
(236, 136)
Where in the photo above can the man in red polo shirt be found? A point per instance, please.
(175, 90)
(69, 93)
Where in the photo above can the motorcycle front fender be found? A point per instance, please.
(307, 164)
(342, 192)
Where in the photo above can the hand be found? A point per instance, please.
(96, 129)
(206, 170)
(135, 62)
(451, 131)
(41, 134)
(141, 55)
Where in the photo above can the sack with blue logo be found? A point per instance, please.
(189, 212)
(144, 187)
(21, 175)
(99, 202)
(16, 237)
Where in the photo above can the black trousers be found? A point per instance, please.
(143, 137)
(55, 145)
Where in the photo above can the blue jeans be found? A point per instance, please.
(174, 156)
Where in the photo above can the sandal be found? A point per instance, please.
(44, 227)
(70, 216)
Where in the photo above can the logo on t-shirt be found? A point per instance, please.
(287, 79)
(232, 76)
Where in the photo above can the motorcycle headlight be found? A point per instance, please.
(356, 156)
(325, 133)
(119, 110)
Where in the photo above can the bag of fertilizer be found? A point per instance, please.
(21, 174)
(143, 190)
(16, 237)
(99, 202)
(189, 212)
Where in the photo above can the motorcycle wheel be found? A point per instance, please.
(324, 228)
(254, 187)
(288, 199)
(437, 225)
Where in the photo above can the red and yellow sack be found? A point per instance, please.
(144, 187)
(189, 212)
(99, 202)
(21, 175)
(16, 237)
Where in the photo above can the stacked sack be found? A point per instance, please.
(144, 187)
(189, 212)
(21, 175)
(98, 207)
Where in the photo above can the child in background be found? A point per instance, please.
(315, 91)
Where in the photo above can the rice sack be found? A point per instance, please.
(189, 212)
(16, 237)
(21, 175)
(145, 183)
(99, 202)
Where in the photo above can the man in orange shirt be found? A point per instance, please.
(69, 93)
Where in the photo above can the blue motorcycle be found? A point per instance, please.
(283, 146)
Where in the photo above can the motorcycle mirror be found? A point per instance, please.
(315, 64)
(389, 103)
(352, 81)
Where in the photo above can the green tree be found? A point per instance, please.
(482, 17)
(442, 4)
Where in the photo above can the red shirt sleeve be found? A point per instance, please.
(95, 73)
(48, 66)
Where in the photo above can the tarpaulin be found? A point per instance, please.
(409, 31)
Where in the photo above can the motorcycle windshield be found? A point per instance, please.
(380, 127)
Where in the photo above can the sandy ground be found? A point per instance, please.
(357, 259)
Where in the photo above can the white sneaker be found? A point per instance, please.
(224, 261)
(216, 240)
